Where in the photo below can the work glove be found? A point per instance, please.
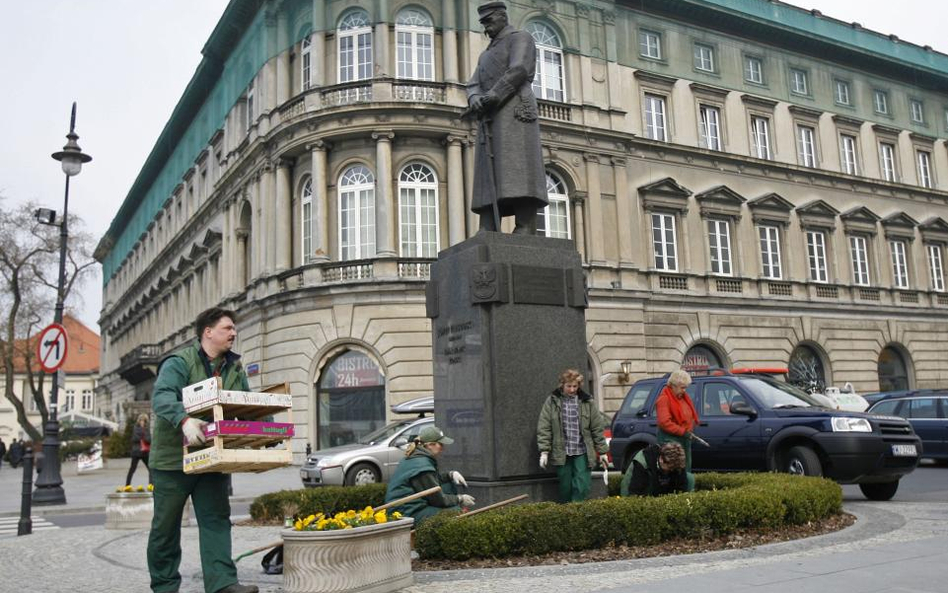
(466, 500)
(544, 459)
(193, 430)
(458, 479)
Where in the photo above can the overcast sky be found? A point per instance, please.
(127, 62)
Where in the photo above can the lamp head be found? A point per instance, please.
(45, 216)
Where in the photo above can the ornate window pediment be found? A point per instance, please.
(665, 194)
(899, 226)
(817, 214)
(772, 208)
(934, 230)
(720, 201)
(860, 220)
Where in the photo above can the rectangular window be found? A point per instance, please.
(847, 147)
(760, 131)
(663, 242)
(806, 146)
(70, 400)
(798, 82)
(770, 252)
(655, 118)
(650, 44)
(887, 159)
(305, 63)
(753, 70)
(860, 259)
(899, 264)
(936, 268)
(880, 100)
(842, 93)
(414, 53)
(918, 111)
(710, 127)
(924, 161)
(704, 57)
(355, 54)
(87, 400)
(816, 255)
(719, 239)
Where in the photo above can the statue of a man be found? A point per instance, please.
(509, 179)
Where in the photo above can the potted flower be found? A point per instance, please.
(132, 508)
(364, 550)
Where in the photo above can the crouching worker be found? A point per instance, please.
(418, 471)
(656, 470)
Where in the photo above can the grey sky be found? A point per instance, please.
(127, 62)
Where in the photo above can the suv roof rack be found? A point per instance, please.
(716, 371)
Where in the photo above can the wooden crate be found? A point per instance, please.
(227, 461)
(199, 400)
(240, 433)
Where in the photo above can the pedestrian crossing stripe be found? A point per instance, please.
(9, 525)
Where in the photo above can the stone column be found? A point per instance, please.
(472, 218)
(384, 221)
(226, 285)
(320, 211)
(380, 43)
(455, 191)
(623, 212)
(579, 225)
(240, 271)
(257, 230)
(283, 77)
(449, 42)
(596, 246)
(284, 215)
(317, 60)
(268, 213)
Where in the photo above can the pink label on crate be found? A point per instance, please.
(248, 428)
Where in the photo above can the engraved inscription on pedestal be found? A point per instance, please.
(538, 286)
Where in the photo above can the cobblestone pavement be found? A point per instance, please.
(888, 540)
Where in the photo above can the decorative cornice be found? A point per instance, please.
(759, 102)
(805, 112)
(699, 89)
(655, 78)
(848, 122)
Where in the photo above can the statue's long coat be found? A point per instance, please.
(506, 69)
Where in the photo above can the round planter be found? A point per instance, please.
(372, 559)
(133, 510)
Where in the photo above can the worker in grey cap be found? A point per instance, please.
(509, 177)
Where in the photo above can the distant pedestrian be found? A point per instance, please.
(655, 471)
(16, 453)
(677, 417)
(140, 446)
(3, 451)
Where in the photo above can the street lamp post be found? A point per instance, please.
(49, 489)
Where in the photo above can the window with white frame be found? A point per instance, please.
(859, 256)
(650, 44)
(887, 160)
(306, 63)
(753, 70)
(816, 255)
(880, 100)
(418, 211)
(806, 145)
(899, 264)
(760, 134)
(70, 400)
(842, 92)
(354, 43)
(770, 252)
(356, 213)
(936, 267)
(848, 155)
(87, 400)
(798, 82)
(414, 45)
(719, 242)
(655, 123)
(704, 57)
(548, 83)
(917, 110)
(710, 127)
(306, 219)
(664, 242)
(250, 106)
(553, 220)
(923, 160)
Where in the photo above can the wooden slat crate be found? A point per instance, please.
(239, 433)
(228, 461)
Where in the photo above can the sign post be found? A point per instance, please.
(52, 345)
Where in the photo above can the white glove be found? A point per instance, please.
(466, 500)
(458, 479)
(544, 459)
(193, 430)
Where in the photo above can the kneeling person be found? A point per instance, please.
(418, 471)
(656, 470)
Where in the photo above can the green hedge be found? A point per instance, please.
(328, 500)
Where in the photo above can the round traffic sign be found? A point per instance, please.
(51, 347)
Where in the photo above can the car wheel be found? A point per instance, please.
(802, 461)
(881, 491)
(361, 474)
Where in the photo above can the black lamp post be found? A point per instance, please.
(49, 489)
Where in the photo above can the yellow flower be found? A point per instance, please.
(127, 489)
(140, 489)
(298, 525)
(151, 487)
(321, 524)
(396, 515)
(380, 517)
(350, 513)
(348, 527)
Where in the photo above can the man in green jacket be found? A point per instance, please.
(209, 356)
(656, 470)
(570, 432)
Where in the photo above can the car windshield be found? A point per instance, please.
(383, 433)
(777, 394)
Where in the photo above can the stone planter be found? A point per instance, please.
(372, 559)
(133, 510)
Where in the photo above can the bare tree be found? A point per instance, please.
(29, 268)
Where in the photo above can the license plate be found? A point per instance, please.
(304, 474)
(904, 450)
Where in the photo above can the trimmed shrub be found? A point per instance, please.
(309, 501)
(120, 443)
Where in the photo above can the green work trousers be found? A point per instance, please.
(685, 442)
(575, 478)
(208, 494)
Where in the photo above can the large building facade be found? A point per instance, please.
(748, 184)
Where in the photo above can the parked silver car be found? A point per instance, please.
(376, 455)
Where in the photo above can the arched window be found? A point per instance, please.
(355, 47)
(414, 42)
(553, 220)
(305, 63)
(548, 80)
(893, 372)
(700, 357)
(356, 213)
(306, 219)
(806, 370)
(245, 246)
(418, 211)
(350, 401)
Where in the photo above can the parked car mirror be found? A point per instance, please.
(742, 408)
(642, 413)
(400, 442)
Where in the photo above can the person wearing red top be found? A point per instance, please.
(677, 417)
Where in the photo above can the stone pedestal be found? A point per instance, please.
(508, 315)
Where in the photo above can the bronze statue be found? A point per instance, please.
(509, 178)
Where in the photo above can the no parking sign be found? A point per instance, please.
(51, 347)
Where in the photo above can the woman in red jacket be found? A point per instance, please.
(677, 417)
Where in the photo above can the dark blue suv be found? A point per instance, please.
(754, 422)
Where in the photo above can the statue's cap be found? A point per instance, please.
(489, 8)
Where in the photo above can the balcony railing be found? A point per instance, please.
(419, 92)
(347, 272)
(414, 269)
(349, 93)
(555, 111)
